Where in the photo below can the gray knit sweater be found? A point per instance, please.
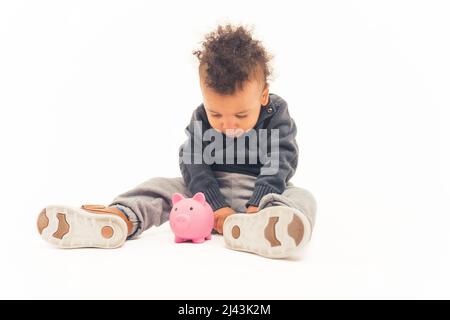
(199, 176)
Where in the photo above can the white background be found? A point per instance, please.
(94, 98)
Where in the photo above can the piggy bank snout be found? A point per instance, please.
(181, 220)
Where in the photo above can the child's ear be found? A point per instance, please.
(265, 96)
(200, 197)
(177, 197)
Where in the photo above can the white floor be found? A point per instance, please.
(381, 259)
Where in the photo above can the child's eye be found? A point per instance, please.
(216, 115)
(241, 116)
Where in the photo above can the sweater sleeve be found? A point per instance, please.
(274, 181)
(198, 175)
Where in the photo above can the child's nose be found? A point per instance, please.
(229, 124)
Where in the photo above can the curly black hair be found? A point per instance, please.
(230, 57)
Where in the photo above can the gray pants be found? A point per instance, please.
(149, 204)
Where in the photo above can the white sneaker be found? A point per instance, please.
(273, 232)
(92, 226)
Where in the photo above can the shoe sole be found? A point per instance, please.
(68, 227)
(273, 232)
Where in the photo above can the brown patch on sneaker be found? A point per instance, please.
(101, 209)
(43, 221)
(269, 232)
(107, 232)
(236, 232)
(296, 229)
(63, 226)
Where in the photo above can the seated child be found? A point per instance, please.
(241, 153)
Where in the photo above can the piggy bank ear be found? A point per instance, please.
(177, 197)
(200, 197)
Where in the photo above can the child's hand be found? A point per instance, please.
(219, 217)
(252, 209)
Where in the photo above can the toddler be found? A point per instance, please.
(241, 153)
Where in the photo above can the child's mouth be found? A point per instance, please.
(233, 133)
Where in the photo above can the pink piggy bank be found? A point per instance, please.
(191, 218)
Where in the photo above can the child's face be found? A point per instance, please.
(235, 114)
